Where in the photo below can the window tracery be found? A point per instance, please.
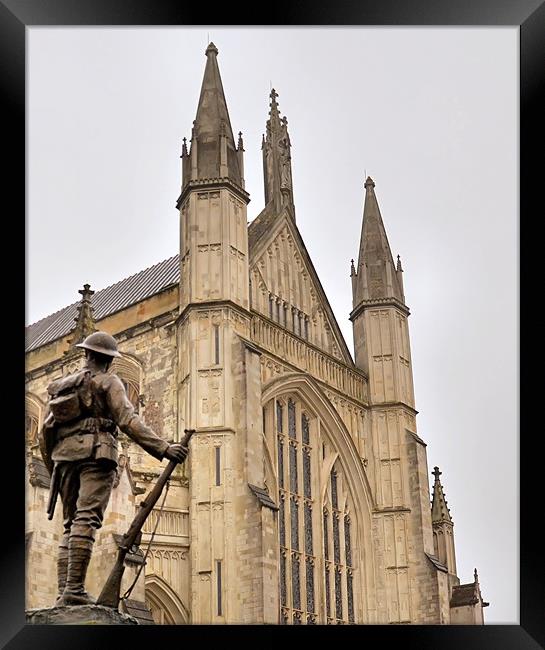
(316, 561)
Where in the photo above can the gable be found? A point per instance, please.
(284, 285)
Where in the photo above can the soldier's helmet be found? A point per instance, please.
(100, 342)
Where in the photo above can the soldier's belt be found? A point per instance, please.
(87, 425)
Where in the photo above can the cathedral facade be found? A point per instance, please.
(305, 498)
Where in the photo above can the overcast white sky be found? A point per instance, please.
(431, 114)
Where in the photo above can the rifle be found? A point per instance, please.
(109, 596)
(53, 492)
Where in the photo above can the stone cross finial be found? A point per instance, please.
(85, 322)
(274, 104)
(436, 473)
(86, 293)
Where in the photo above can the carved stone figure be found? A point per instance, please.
(78, 442)
(285, 158)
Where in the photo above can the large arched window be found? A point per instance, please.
(317, 565)
(33, 414)
(129, 372)
(164, 604)
(31, 429)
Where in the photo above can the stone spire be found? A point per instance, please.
(377, 275)
(276, 147)
(85, 321)
(213, 154)
(439, 509)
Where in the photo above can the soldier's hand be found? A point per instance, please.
(176, 452)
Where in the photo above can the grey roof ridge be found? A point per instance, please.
(103, 289)
(53, 313)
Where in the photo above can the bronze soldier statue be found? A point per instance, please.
(79, 446)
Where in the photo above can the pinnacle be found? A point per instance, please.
(211, 49)
(85, 322)
(439, 506)
(375, 252)
(211, 125)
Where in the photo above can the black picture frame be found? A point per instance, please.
(15, 16)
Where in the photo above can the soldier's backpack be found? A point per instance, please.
(71, 397)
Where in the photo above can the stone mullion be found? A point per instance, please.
(337, 564)
(300, 555)
(301, 518)
(307, 500)
(281, 436)
(344, 569)
(331, 565)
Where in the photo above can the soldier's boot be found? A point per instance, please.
(78, 560)
(62, 571)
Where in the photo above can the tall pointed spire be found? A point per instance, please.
(85, 321)
(213, 153)
(439, 508)
(442, 525)
(382, 277)
(276, 147)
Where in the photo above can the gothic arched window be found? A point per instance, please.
(32, 420)
(317, 563)
(31, 429)
(130, 374)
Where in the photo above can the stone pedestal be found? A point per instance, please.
(78, 615)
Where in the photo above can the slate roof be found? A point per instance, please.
(114, 298)
(264, 221)
(263, 497)
(120, 295)
(464, 595)
(436, 563)
(134, 289)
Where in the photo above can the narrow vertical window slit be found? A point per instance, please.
(218, 465)
(218, 584)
